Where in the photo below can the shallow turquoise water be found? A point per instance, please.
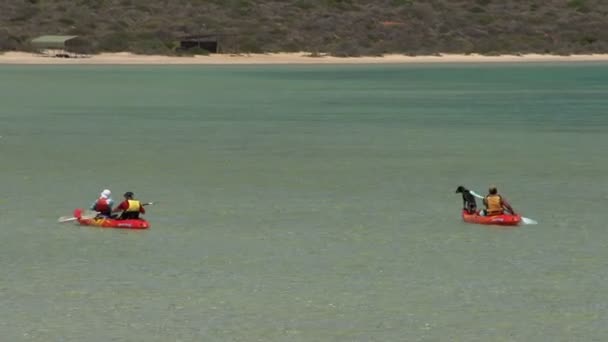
(304, 203)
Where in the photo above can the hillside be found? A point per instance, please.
(338, 27)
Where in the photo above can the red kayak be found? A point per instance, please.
(500, 220)
(109, 222)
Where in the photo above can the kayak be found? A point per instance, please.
(105, 222)
(500, 220)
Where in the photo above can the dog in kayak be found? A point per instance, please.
(468, 199)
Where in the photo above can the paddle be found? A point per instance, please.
(525, 220)
(64, 219)
(476, 194)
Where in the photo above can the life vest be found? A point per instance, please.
(494, 204)
(102, 205)
(134, 206)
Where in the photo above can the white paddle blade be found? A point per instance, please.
(526, 220)
(476, 194)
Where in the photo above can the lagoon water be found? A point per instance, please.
(304, 203)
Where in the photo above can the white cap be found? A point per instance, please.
(106, 193)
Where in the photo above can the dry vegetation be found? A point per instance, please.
(338, 27)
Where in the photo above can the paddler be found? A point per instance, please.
(495, 203)
(103, 205)
(130, 207)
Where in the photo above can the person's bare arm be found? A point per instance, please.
(507, 206)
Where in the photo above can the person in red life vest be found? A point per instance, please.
(496, 204)
(103, 205)
(130, 207)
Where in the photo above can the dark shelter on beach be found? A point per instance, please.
(203, 42)
(59, 46)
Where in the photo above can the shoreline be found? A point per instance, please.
(125, 58)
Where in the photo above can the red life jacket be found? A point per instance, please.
(102, 205)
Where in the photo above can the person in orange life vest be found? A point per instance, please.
(495, 204)
(103, 205)
(131, 208)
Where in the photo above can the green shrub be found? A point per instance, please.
(579, 5)
(114, 42)
(150, 47)
(191, 52)
(8, 42)
(305, 4)
(347, 49)
(67, 21)
(26, 12)
(588, 40)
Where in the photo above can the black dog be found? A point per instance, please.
(468, 200)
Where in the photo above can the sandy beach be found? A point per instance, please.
(287, 58)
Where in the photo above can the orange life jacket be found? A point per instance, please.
(494, 205)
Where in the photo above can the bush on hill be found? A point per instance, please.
(338, 27)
